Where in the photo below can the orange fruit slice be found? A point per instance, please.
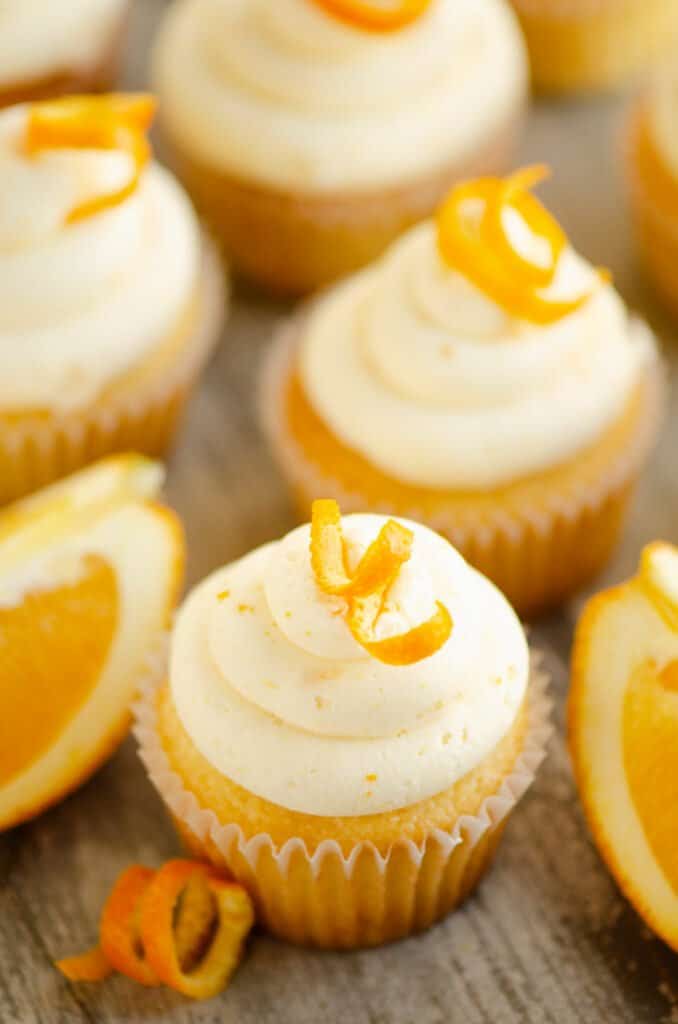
(89, 575)
(623, 731)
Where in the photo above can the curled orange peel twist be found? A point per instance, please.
(367, 588)
(115, 122)
(375, 17)
(182, 925)
(473, 239)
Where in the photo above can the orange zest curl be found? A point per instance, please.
(473, 239)
(377, 17)
(183, 926)
(366, 589)
(114, 122)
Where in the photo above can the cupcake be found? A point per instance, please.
(110, 296)
(311, 133)
(49, 49)
(590, 45)
(348, 718)
(653, 165)
(482, 378)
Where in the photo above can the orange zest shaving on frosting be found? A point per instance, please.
(366, 589)
(473, 239)
(182, 925)
(113, 122)
(378, 17)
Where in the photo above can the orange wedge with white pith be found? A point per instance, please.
(90, 571)
(623, 732)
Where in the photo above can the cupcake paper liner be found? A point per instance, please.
(34, 451)
(537, 552)
(333, 899)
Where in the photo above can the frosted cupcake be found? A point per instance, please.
(482, 378)
(49, 49)
(110, 297)
(589, 45)
(312, 132)
(347, 721)
(653, 165)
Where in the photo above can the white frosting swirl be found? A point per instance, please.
(275, 692)
(288, 95)
(39, 38)
(663, 113)
(435, 385)
(81, 304)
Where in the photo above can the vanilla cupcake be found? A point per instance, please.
(482, 378)
(50, 49)
(110, 297)
(653, 166)
(310, 137)
(347, 721)
(590, 45)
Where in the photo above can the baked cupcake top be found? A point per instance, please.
(39, 39)
(99, 250)
(662, 108)
(480, 349)
(350, 668)
(292, 96)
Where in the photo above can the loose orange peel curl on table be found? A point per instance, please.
(117, 121)
(375, 17)
(183, 926)
(366, 589)
(473, 239)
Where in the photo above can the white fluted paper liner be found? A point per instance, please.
(36, 450)
(558, 537)
(232, 845)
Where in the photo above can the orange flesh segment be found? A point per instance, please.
(366, 590)
(120, 918)
(480, 248)
(53, 647)
(95, 122)
(193, 927)
(375, 17)
(650, 746)
(90, 966)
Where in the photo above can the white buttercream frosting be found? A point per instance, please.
(434, 384)
(39, 38)
(286, 94)
(274, 691)
(82, 303)
(663, 112)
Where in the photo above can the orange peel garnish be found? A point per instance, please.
(478, 245)
(375, 18)
(221, 921)
(367, 588)
(114, 122)
(182, 925)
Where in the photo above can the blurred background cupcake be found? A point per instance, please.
(53, 48)
(310, 137)
(110, 297)
(653, 166)
(588, 45)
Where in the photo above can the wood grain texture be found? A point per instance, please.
(548, 939)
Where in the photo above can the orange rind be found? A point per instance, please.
(473, 240)
(113, 122)
(78, 620)
(380, 17)
(366, 589)
(623, 733)
(183, 926)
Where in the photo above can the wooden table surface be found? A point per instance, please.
(548, 939)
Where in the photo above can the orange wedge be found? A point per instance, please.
(623, 730)
(89, 575)
(375, 17)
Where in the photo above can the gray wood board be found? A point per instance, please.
(547, 939)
